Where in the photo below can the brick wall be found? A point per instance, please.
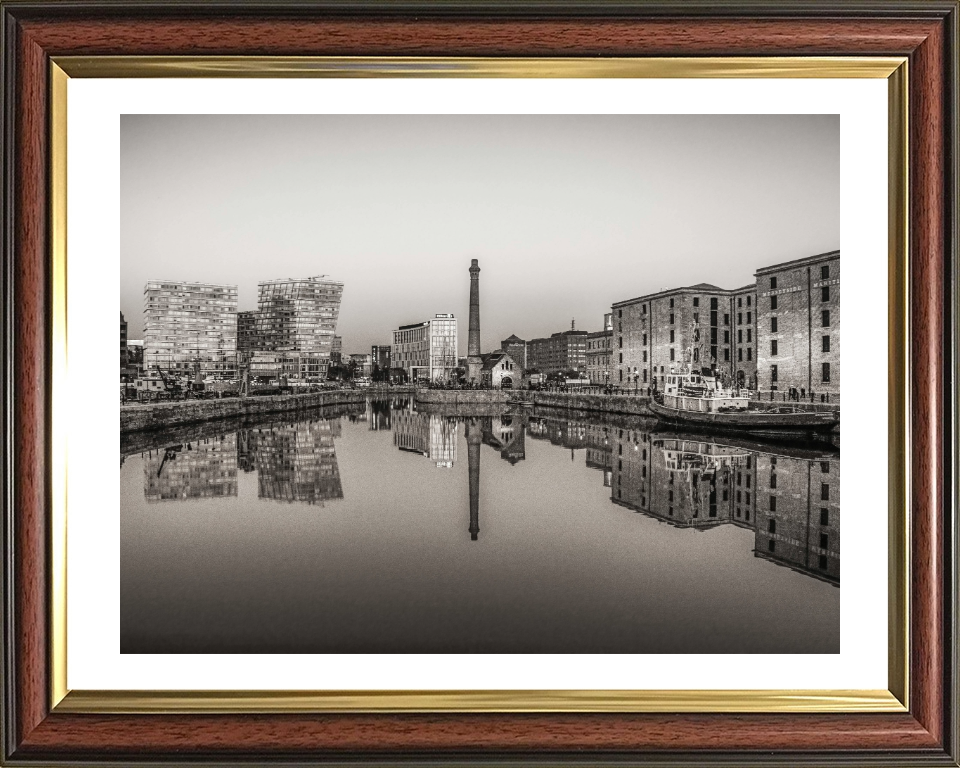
(802, 294)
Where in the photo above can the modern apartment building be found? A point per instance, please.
(190, 328)
(123, 344)
(292, 332)
(428, 350)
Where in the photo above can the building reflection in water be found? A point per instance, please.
(790, 502)
(506, 434)
(294, 462)
(430, 435)
(200, 469)
(788, 497)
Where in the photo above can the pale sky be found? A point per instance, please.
(567, 214)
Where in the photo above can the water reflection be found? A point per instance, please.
(787, 496)
(294, 462)
(432, 436)
(599, 534)
(205, 468)
(790, 502)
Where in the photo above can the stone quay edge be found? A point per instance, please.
(167, 414)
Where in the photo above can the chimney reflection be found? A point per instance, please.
(474, 438)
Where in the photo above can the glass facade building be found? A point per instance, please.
(291, 335)
(427, 350)
(190, 327)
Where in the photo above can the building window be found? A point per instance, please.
(749, 318)
(825, 293)
(749, 335)
(621, 358)
(726, 337)
(773, 373)
(773, 348)
(825, 318)
(739, 318)
(773, 503)
(739, 337)
(826, 343)
(671, 303)
(773, 302)
(644, 355)
(749, 353)
(671, 318)
(671, 336)
(748, 301)
(696, 301)
(825, 467)
(620, 340)
(726, 354)
(773, 480)
(696, 317)
(739, 301)
(825, 376)
(644, 339)
(740, 355)
(823, 562)
(773, 283)
(726, 319)
(824, 271)
(773, 325)
(824, 541)
(824, 516)
(644, 379)
(824, 492)
(772, 525)
(671, 354)
(621, 371)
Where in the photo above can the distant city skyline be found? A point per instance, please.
(566, 214)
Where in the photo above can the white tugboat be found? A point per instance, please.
(698, 397)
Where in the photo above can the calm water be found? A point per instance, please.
(387, 530)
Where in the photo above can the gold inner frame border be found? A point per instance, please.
(894, 699)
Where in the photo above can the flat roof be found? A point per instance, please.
(799, 262)
(187, 282)
(699, 288)
(412, 325)
(315, 279)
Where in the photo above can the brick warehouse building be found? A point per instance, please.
(781, 333)
(798, 319)
(654, 332)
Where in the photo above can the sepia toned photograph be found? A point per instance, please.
(480, 384)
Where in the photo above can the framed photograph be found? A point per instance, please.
(479, 389)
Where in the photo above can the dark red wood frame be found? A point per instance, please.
(923, 31)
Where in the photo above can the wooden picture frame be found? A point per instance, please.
(42, 725)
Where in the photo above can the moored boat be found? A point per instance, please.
(699, 399)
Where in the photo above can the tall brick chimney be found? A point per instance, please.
(473, 340)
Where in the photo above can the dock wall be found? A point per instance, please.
(164, 415)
